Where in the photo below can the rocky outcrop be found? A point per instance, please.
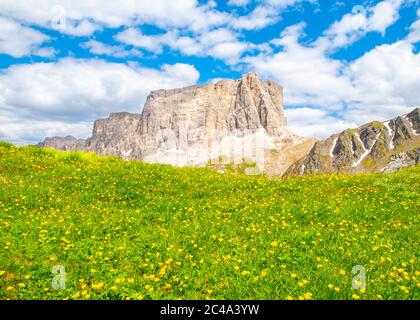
(64, 143)
(402, 160)
(374, 147)
(228, 122)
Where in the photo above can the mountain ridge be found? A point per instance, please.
(226, 122)
(243, 121)
(374, 147)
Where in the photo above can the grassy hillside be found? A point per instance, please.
(129, 230)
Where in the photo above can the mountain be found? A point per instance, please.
(231, 121)
(374, 147)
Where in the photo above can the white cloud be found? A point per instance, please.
(267, 12)
(385, 88)
(353, 26)
(379, 85)
(77, 91)
(84, 17)
(45, 52)
(219, 43)
(414, 35)
(281, 4)
(137, 39)
(103, 49)
(238, 3)
(309, 77)
(228, 51)
(383, 15)
(187, 45)
(19, 41)
(222, 44)
(259, 18)
(22, 131)
(343, 32)
(315, 123)
(79, 28)
(185, 24)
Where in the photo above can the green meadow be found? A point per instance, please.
(112, 229)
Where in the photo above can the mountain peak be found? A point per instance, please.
(374, 147)
(250, 76)
(195, 125)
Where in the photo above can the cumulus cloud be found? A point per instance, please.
(414, 35)
(238, 3)
(83, 18)
(137, 39)
(185, 23)
(309, 77)
(267, 12)
(383, 15)
(103, 49)
(45, 52)
(75, 92)
(358, 23)
(23, 132)
(379, 85)
(385, 88)
(19, 41)
(220, 43)
(285, 3)
(260, 17)
(309, 122)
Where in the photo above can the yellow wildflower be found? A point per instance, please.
(308, 296)
(97, 286)
(120, 280)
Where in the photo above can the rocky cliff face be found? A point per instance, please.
(374, 147)
(229, 122)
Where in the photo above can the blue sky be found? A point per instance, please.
(342, 63)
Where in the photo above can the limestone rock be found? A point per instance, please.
(64, 143)
(229, 121)
(402, 160)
